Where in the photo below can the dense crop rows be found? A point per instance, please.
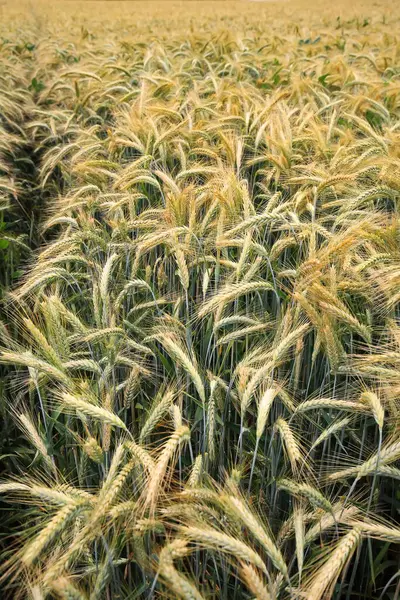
(201, 361)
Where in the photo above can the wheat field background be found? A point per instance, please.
(200, 287)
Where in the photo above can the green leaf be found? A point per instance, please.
(36, 85)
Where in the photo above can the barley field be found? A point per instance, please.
(200, 300)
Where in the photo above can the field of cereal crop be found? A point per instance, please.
(200, 300)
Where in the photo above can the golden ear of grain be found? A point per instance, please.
(332, 429)
(319, 403)
(254, 582)
(372, 400)
(383, 457)
(252, 383)
(36, 440)
(325, 521)
(106, 434)
(289, 340)
(289, 442)
(230, 293)
(195, 474)
(74, 403)
(385, 532)
(154, 487)
(183, 271)
(211, 420)
(105, 276)
(298, 521)
(177, 583)
(213, 539)
(326, 576)
(122, 509)
(157, 412)
(239, 509)
(264, 407)
(304, 490)
(13, 486)
(29, 360)
(53, 528)
(92, 449)
(178, 353)
(42, 344)
(176, 416)
(66, 590)
(141, 454)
